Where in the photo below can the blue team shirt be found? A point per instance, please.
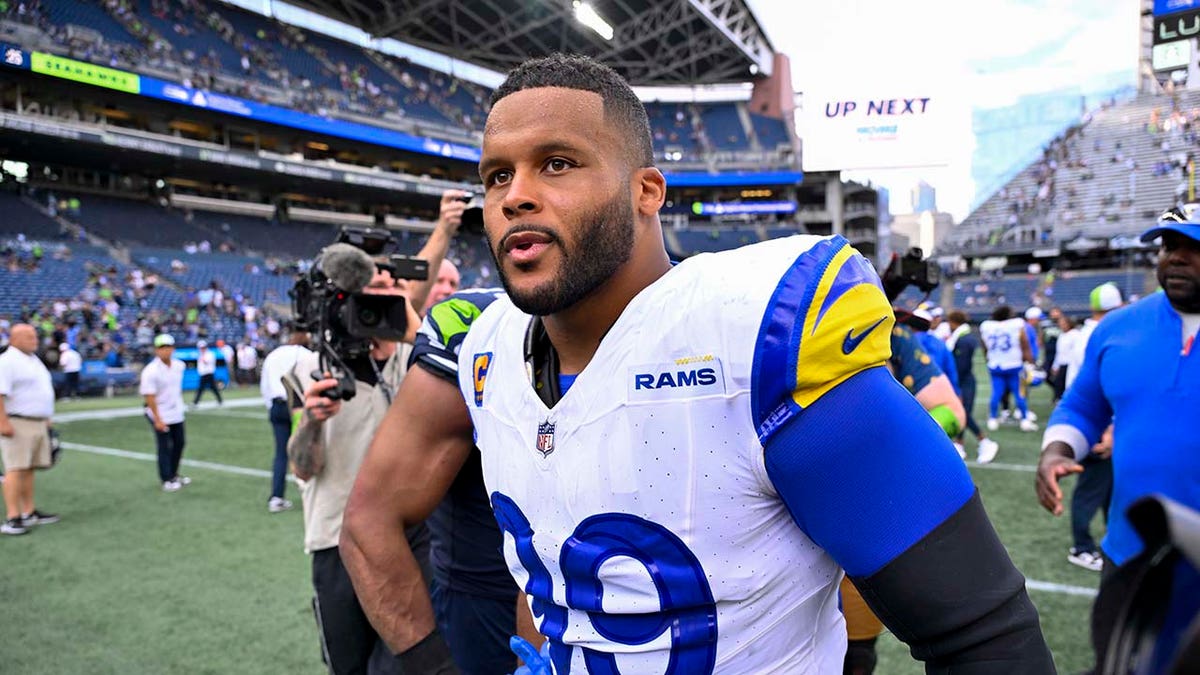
(1136, 376)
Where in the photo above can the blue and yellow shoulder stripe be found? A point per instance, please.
(827, 320)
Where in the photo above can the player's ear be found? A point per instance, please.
(649, 190)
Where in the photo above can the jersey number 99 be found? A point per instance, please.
(687, 610)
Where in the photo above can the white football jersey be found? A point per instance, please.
(1003, 342)
(637, 512)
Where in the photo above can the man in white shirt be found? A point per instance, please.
(162, 388)
(26, 406)
(71, 363)
(247, 361)
(277, 364)
(206, 367)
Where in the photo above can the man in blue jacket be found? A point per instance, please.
(1139, 368)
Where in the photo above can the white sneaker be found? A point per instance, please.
(171, 486)
(1088, 560)
(987, 450)
(962, 454)
(1028, 425)
(183, 480)
(1031, 416)
(992, 424)
(1004, 415)
(277, 504)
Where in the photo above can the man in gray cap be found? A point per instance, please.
(1141, 368)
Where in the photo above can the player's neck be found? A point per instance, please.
(576, 332)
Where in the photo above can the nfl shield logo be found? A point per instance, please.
(545, 438)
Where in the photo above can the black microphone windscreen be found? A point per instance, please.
(349, 268)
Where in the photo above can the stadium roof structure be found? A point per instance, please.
(654, 42)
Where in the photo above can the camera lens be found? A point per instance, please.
(367, 316)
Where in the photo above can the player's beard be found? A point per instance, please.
(604, 243)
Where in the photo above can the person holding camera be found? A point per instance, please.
(348, 382)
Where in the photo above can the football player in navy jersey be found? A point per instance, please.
(685, 459)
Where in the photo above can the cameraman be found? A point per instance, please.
(327, 447)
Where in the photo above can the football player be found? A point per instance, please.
(685, 459)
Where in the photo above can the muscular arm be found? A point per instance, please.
(875, 483)
(418, 450)
(1026, 349)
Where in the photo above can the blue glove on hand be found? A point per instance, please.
(535, 663)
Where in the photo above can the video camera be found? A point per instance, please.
(328, 302)
(910, 269)
(472, 217)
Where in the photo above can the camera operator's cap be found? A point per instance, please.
(1034, 313)
(922, 313)
(1182, 219)
(1105, 297)
(164, 340)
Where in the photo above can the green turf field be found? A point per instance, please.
(206, 581)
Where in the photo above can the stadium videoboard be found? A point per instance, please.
(845, 130)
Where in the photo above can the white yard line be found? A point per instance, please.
(1032, 584)
(136, 411)
(1028, 468)
(147, 457)
(1063, 589)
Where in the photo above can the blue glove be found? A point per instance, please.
(535, 663)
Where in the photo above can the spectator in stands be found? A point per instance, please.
(71, 364)
(206, 368)
(280, 362)
(161, 385)
(1141, 369)
(26, 406)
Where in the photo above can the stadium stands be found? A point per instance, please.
(723, 127)
(771, 132)
(21, 218)
(1107, 177)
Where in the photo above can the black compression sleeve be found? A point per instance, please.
(929, 596)
(430, 656)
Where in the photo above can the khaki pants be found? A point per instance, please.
(28, 447)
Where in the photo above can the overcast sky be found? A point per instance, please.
(985, 54)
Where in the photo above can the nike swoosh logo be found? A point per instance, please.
(466, 318)
(852, 341)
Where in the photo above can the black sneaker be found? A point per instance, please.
(13, 526)
(39, 518)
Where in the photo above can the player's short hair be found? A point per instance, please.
(573, 71)
(957, 316)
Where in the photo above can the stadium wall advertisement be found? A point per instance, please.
(86, 73)
(887, 130)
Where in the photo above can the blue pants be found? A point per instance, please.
(281, 424)
(1004, 381)
(477, 630)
